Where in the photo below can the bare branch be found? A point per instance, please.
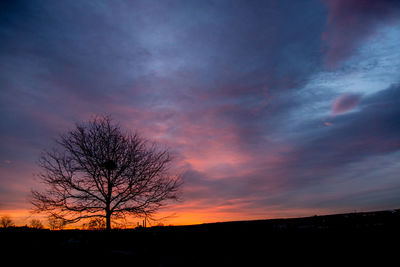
(98, 171)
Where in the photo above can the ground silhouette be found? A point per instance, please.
(319, 240)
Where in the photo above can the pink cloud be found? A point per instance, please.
(345, 103)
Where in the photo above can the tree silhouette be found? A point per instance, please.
(96, 224)
(56, 223)
(98, 171)
(36, 224)
(6, 221)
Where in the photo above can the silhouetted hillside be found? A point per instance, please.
(356, 237)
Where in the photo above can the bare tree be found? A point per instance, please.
(96, 224)
(99, 171)
(36, 224)
(56, 223)
(6, 221)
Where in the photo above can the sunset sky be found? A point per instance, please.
(272, 108)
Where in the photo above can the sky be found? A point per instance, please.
(271, 108)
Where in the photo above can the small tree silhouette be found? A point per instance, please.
(56, 223)
(98, 171)
(96, 224)
(6, 221)
(36, 224)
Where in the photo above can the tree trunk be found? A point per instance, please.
(108, 220)
(108, 201)
(108, 216)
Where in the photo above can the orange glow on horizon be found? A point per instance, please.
(190, 216)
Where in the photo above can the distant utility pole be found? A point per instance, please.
(145, 222)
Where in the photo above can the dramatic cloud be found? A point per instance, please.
(349, 22)
(271, 108)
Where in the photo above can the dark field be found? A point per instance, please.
(357, 238)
